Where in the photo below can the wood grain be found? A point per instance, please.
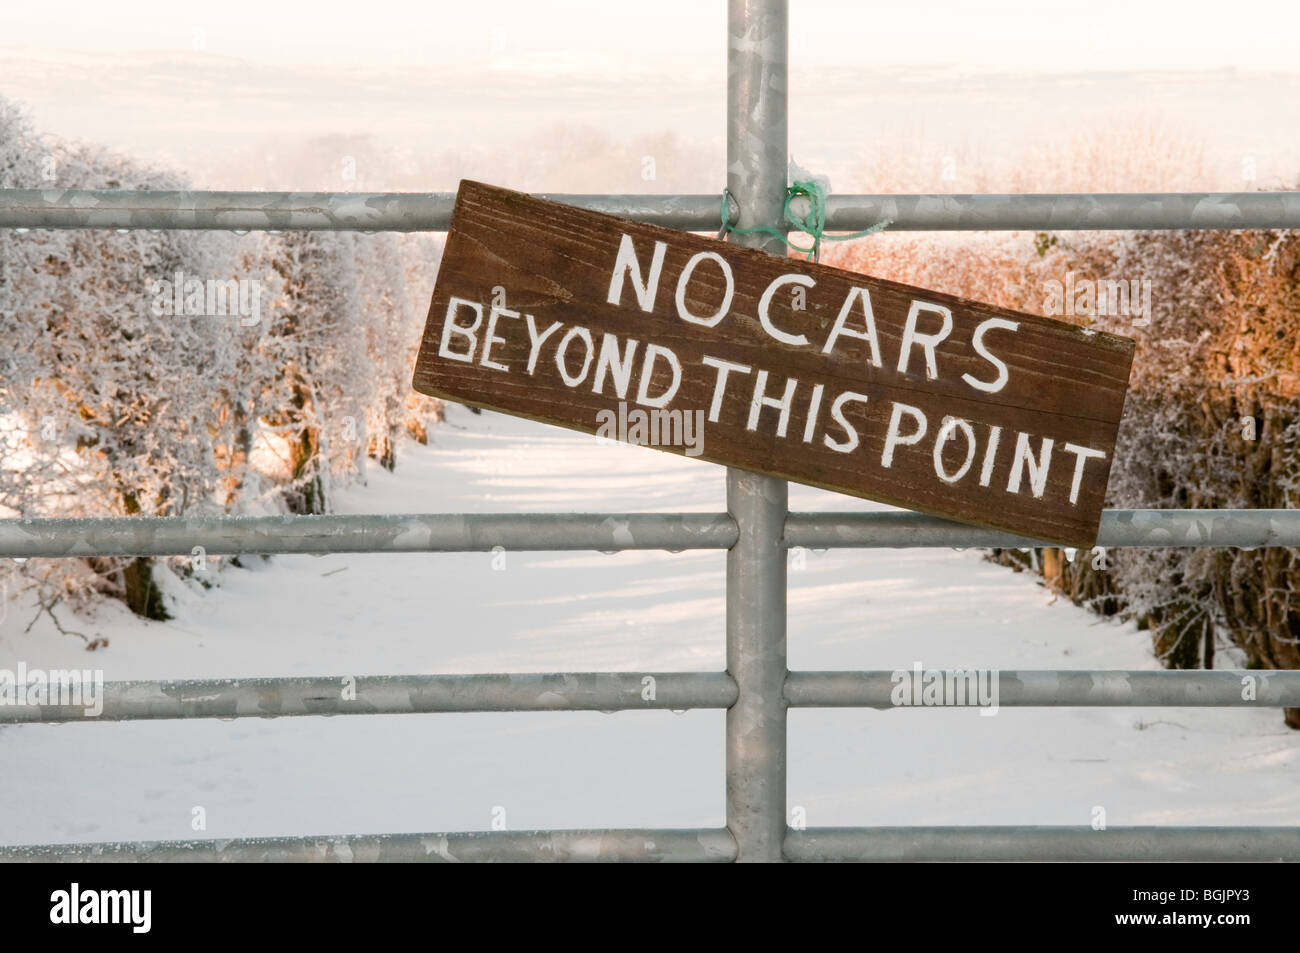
(555, 263)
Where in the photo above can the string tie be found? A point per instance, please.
(812, 223)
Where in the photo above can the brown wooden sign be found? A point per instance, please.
(814, 374)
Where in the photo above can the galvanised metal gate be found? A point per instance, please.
(756, 689)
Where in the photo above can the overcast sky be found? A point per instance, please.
(645, 35)
(235, 92)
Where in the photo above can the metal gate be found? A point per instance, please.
(756, 689)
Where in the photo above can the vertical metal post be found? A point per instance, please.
(756, 598)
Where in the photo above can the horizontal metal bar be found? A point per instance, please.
(1247, 529)
(986, 843)
(386, 695)
(453, 532)
(634, 691)
(1066, 211)
(427, 533)
(308, 211)
(1042, 843)
(648, 845)
(431, 211)
(1019, 689)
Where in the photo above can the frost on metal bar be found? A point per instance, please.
(431, 211)
(1120, 689)
(308, 211)
(452, 532)
(389, 695)
(1047, 212)
(1153, 528)
(653, 846)
(1043, 843)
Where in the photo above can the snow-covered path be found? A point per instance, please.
(408, 613)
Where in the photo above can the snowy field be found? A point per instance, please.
(456, 613)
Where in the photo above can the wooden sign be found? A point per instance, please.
(814, 374)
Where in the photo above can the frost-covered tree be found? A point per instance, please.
(121, 406)
(1212, 419)
(139, 381)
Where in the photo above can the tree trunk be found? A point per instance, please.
(1053, 562)
(306, 497)
(142, 595)
(139, 591)
(1183, 643)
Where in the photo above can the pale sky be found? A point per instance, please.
(644, 36)
(574, 95)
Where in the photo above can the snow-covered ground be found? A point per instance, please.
(456, 613)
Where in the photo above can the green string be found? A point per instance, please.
(813, 224)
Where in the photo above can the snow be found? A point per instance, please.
(454, 613)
